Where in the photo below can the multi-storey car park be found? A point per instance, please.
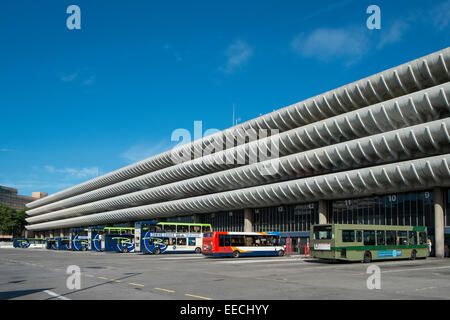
(375, 151)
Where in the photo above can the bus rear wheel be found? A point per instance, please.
(124, 249)
(236, 254)
(156, 250)
(281, 253)
(413, 255)
(367, 257)
(198, 250)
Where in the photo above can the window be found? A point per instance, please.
(237, 241)
(249, 241)
(369, 237)
(158, 228)
(412, 235)
(402, 237)
(170, 228)
(380, 238)
(391, 237)
(172, 241)
(181, 241)
(348, 235)
(206, 228)
(182, 228)
(191, 241)
(224, 240)
(195, 229)
(322, 233)
(422, 238)
(359, 236)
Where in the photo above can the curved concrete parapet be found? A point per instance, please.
(425, 105)
(418, 74)
(407, 143)
(395, 177)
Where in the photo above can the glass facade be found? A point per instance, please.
(183, 219)
(290, 218)
(225, 221)
(447, 207)
(413, 208)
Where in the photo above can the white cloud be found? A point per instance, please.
(73, 172)
(238, 53)
(440, 15)
(325, 44)
(69, 77)
(140, 152)
(89, 81)
(393, 34)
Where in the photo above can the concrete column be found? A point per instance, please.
(323, 212)
(248, 220)
(51, 234)
(61, 233)
(197, 218)
(439, 222)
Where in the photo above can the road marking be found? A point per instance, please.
(411, 269)
(53, 294)
(89, 275)
(115, 280)
(256, 261)
(167, 290)
(200, 297)
(181, 258)
(103, 278)
(136, 284)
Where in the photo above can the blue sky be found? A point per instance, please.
(80, 103)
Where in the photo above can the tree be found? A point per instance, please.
(12, 221)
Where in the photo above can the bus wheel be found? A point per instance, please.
(156, 250)
(83, 248)
(124, 249)
(413, 255)
(236, 254)
(281, 253)
(198, 250)
(367, 257)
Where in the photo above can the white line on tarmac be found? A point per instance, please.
(181, 258)
(53, 294)
(411, 269)
(256, 261)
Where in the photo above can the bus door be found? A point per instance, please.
(119, 242)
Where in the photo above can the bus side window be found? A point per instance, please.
(191, 241)
(402, 237)
(206, 229)
(183, 228)
(359, 236)
(249, 241)
(412, 235)
(348, 235)
(369, 237)
(181, 241)
(390, 238)
(196, 229)
(380, 238)
(158, 228)
(422, 238)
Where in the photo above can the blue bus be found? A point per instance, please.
(169, 237)
(79, 240)
(118, 239)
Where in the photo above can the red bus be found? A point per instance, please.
(237, 244)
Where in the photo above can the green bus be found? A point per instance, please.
(361, 242)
